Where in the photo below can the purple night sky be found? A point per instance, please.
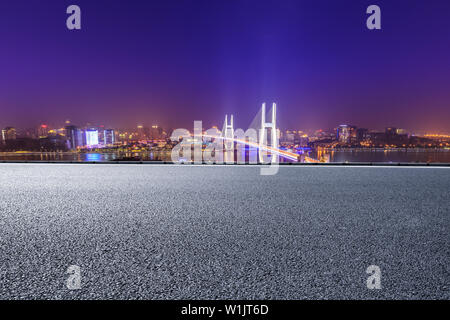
(172, 62)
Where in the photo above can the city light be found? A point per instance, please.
(91, 138)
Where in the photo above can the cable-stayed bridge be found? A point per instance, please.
(266, 140)
(260, 142)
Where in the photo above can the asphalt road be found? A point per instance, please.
(183, 232)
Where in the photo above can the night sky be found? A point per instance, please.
(172, 62)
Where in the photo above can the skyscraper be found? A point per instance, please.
(74, 137)
(9, 133)
(346, 133)
(141, 132)
(362, 134)
(91, 137)
(390, 131)
(43, 131)
(108, 136)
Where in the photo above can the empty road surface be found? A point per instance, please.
(224, 232)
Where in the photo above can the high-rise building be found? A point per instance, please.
(346, 133)
(91, 137)
(362, 134)
(391, 131)
(141, 132)
(401, 131)
(301, 140)
(43, 131)
(9, 133)
(288, 136)
(156, 132)
(74, 137)
(108, 137)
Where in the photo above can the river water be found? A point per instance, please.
(409, 156)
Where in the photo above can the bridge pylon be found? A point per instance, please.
(228, 133)
(263, 144)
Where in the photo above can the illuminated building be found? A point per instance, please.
(43, 131)
(108, 137)
(74, 137)
(141, 132)
(391, 132)
(288, 136)
(392, 137)
(156, 132)
(346, 133)
(294, 137)
(9, 133)
(91, 137)
(301, 140)
(362, 134)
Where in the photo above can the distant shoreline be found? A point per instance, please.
(342, 149)
(330, 164)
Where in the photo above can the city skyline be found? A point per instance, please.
(146, 131)
(142, 143)
(58, 125)
(178, 61)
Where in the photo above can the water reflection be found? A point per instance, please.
(331, 155)
(93, 157)
(384, 155)
(86, 157)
